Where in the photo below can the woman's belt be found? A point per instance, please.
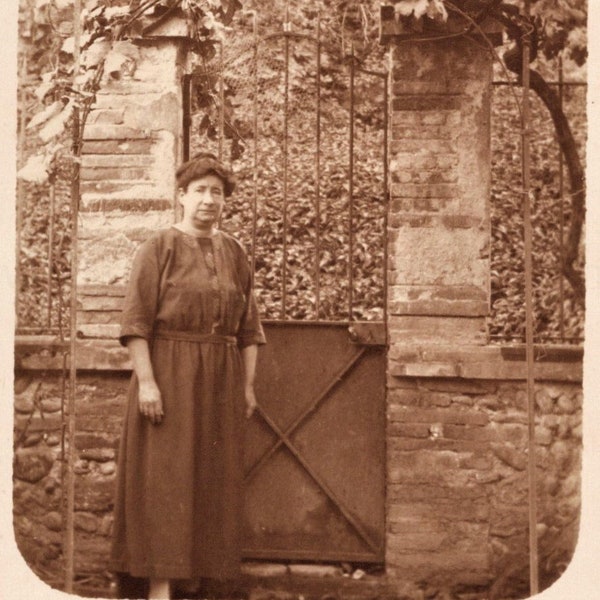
(190, 336)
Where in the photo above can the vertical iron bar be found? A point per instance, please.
(285, 162)
(351, 192)
(385, 202)
(221, 102)
(186, 86)
(561, 221)
(318, 177)
(20, 193)
(529, 349)
(52, 202)
(255, 153)
(75, 191)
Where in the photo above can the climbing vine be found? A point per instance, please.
(77, 58)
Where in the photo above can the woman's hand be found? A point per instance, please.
(150, 401)
(250, 400)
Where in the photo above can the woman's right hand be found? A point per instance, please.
(150, 401)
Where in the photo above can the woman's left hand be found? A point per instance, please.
(250, 401)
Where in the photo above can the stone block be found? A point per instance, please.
(259, 569)
(306, 570)
(424, 415)
(444, 257)
(112, 148)
(120, 173)
(109, 116)
(423, 190)
(94, 494)
(429, 102)
(427, 148)
(32, 465)
(437, 330)
(94, 132)
(510, 455)
(85, 521)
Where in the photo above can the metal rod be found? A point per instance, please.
(255, 150)
(20, 155)
(318, 178)
(351, 193)
(529, 347)
(221, 103)
(52, 206)
(186, 87)
(386, 194)
(285, 167)
(561, 220)
(333, 383)
(69, 550)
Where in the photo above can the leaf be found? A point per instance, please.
(436, 10)
(406, 7)
(43, 89)
(50, 111)
(68, 45)
(56, 125)
(96, 53)
(35, 170)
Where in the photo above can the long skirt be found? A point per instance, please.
(179, 484)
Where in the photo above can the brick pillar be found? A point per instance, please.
(131, 148)
(439, 236)
(440, 187)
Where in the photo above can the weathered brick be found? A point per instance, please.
(459, 510)
(427, 102)
(421, 415)
(117, 147)
(463, 432)
(418, 430)
(426, 147)
(432, 205)
(439, 443)
(115, 173)
(425, 190)
(114, 132)
(117, 160)
(419, 493)
(411, 525)
(415, 132)
(415, 86)
(440, 307)
(109, 116)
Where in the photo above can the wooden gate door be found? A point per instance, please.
(305, 128)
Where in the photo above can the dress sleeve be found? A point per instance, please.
(250, 331)
(141, 299)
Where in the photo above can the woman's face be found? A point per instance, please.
(203, 201)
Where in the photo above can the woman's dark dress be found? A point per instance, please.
(178, 502)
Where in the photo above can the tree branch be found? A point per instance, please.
(513, 60)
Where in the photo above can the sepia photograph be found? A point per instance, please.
(300, 298)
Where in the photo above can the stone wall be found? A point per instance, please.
(457, 481)
(39, 488)
(458, 493)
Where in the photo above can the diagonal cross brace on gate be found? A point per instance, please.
(284, 439)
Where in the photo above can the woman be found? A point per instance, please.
(191, 326)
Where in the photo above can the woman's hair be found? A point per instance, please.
(201, 165)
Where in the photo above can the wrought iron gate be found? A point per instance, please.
(305, 128)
